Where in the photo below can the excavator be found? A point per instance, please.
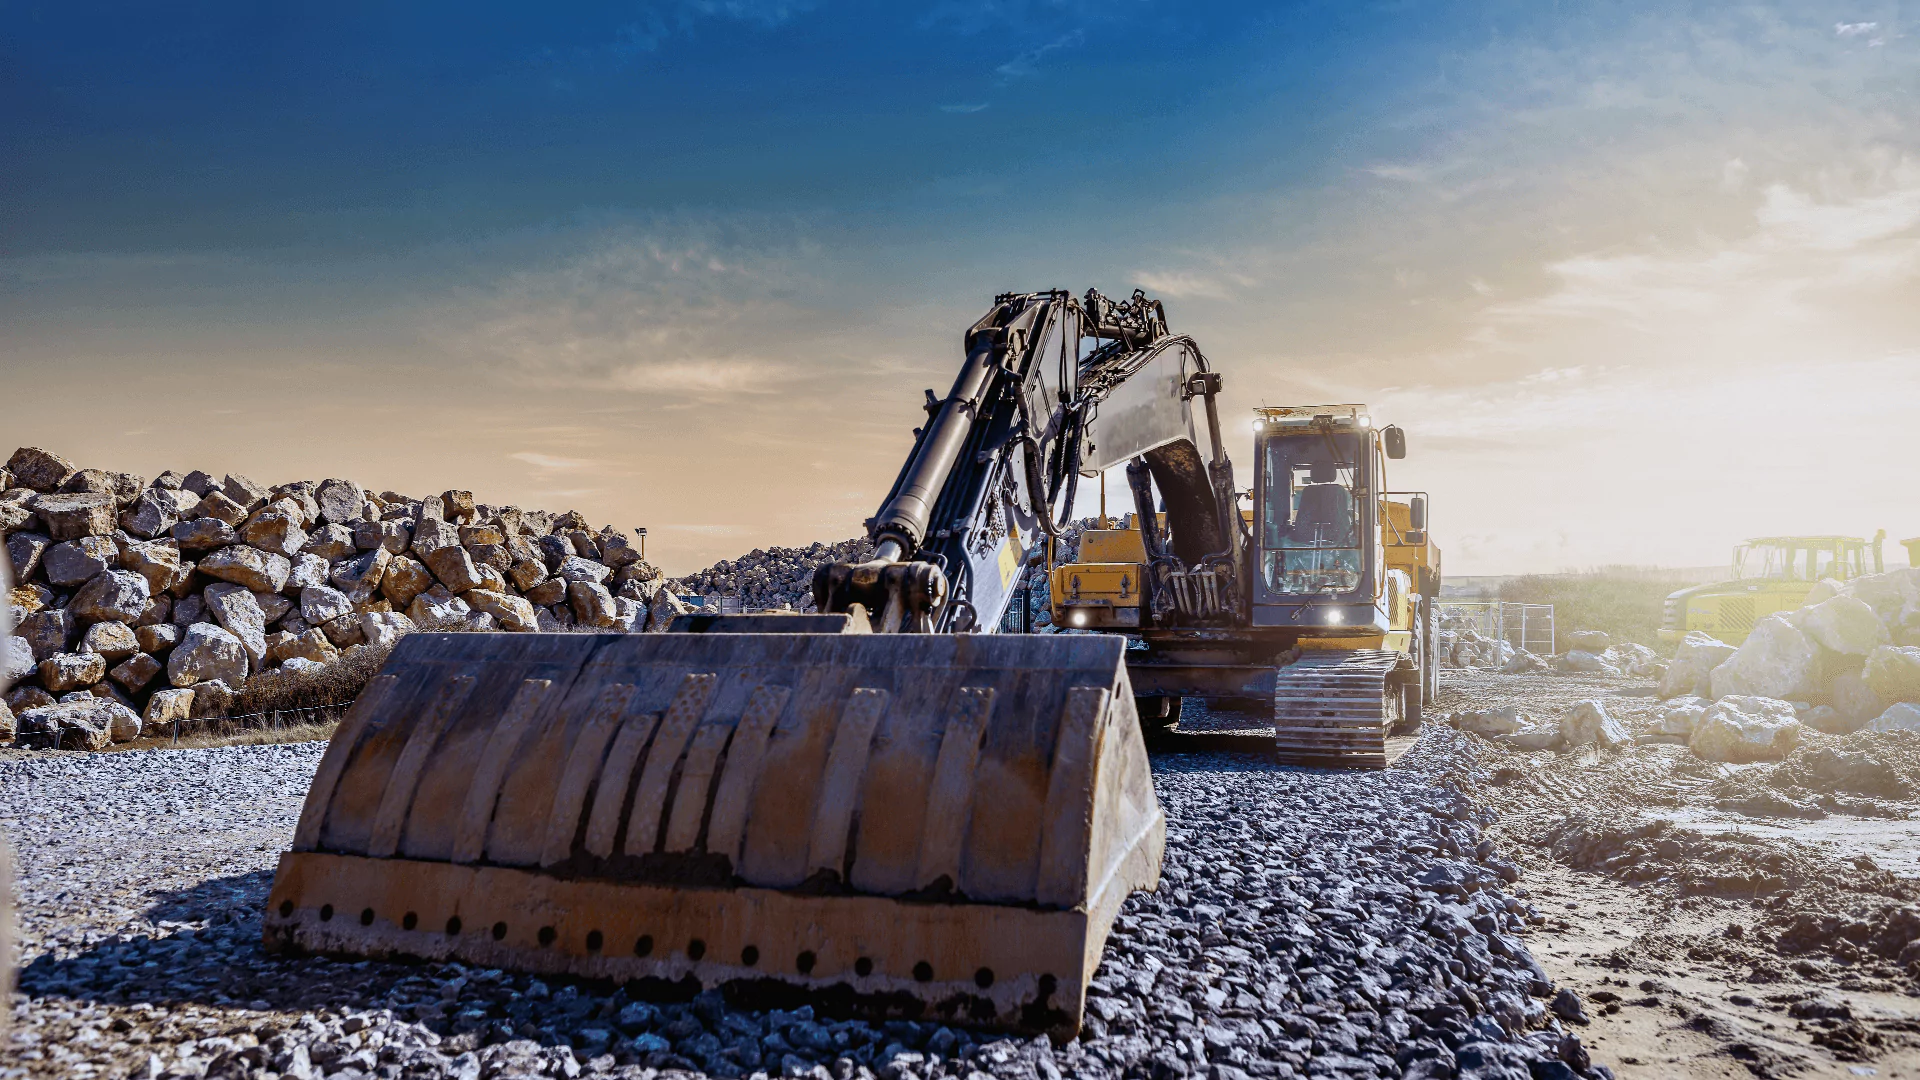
(880, 807)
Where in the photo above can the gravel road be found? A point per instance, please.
(1313, 924)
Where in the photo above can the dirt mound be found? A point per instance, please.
(1868, 774)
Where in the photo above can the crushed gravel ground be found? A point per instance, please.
(1314, 924)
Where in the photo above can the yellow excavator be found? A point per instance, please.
(880, 807)
(1333, 632)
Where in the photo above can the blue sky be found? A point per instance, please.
(688, 264)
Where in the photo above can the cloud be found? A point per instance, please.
(1859, 29)
(679, 19)
(680, 307)
(963, 108)
(1179, 284)
(1028, 63)
(549, 462)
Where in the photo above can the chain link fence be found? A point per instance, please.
(1524, 626)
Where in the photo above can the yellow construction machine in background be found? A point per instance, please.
(1334, 624)
(1770, 574)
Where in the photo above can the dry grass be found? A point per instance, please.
(338, 683)
(217, 733)
(1624, 601)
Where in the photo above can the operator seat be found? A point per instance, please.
(1326, 504)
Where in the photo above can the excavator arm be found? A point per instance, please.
(1051, 389)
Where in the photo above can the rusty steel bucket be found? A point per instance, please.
(913, 826)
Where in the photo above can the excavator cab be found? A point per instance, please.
(1314, 479)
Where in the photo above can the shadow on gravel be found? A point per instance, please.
(206, 951)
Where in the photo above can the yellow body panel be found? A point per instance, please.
(1729, 610)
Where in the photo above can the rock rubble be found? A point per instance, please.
(162, 598)
(1353, 925)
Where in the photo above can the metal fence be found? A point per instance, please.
(1524, 626)
(222, 726)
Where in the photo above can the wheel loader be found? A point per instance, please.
(878, 807)
(1771, 574)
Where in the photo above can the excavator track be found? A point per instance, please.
(1330, 709)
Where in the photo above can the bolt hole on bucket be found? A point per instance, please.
(936, 827)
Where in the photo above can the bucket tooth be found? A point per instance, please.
(933, 827)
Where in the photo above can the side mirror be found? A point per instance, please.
(1396, 441)
(1417, 514)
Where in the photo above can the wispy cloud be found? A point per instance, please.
(1028, 63)
(654, 28)
(677, 307)
(963, 108)
(1858, 29)
(550, 462)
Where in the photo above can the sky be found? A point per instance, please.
(1638, 280)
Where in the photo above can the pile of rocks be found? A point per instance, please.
(1589, 652)
(1847, 660)
(769, 579)
(140, 602)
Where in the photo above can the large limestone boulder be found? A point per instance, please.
(592, 605)
(1742, 728)
(1845, 625)
(26, 549)
(549, 592)
(332, 543)
(1886, 593)
(574, 568)
(342, 502)
(149, 516)
(616, 550)
(1893, 673)
(235, 608)
(382, 628)
(661, 612)
(203, 534)
(276, 528)
(360, 576)
(321, 603)
(1693, 662)
(63, 673)
(511, 612)
(629, 616)
(311, 644)
(158, 563)
(215, 504)
(1592, 641)
(158, 638)
(86, 723)
(438, 608)
(207, 652)
(48, 632)
(16, 660)
(168, 707)
(432, 534)
(404, 579)
(134, 673)
(1590, 725)
(78, 561)
(306, 572)
(69, 517)
(1678, 716)
(1901, 716)
(113, 641)
(1776, 661)
(1853, 699)
(248, 566)
(243, 491)
(117, 596)
(455, 568)
(35, 468)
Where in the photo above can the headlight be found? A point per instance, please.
(1079, 617)
(1334, 617)
(1366, 421)
(1258, 424)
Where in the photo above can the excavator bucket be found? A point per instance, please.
(938, 827)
